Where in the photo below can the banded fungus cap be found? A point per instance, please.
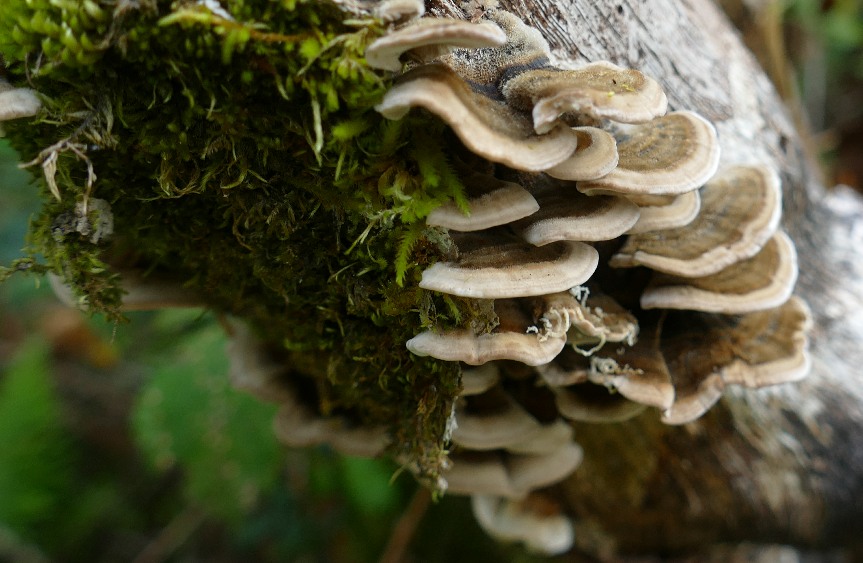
(659, 213)
(564, 215)
(479, 473)
(534, 520)
(511, 475)
(511, 340)
(486, 69)
(637, 372)
(587, 402)
(477, 380)
(385, 52)
(670, 155)
(600, 90)
(594, 157)
(495, 265)
(567, 368)
(491, 203)
(766, 280)
(486, 126)
(492, 420)
(545, 439)
(531, 472)
(740, 211)
(397, 10)
(752, 350)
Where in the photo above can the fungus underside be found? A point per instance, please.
(243, 155)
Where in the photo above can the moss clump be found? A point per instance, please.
(241, 152)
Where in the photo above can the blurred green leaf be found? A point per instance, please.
(843, 31)
(189, 416)
(367, 484)
(36, 459)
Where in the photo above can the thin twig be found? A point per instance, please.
(171, 536)
(406, 527)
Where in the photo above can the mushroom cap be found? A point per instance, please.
(16, 103)
(593, 403)
(600, 90)
(510, 475)
(564, 215)
(479, 473)
(492, 420)
(670, 155)
(740, 210)
(753, 350)
(530, 472)
(658, 213)
(542, 527)
(488, 127)
(464, 346)
(637, 372)
(545, 439)
(477, 380)
(567, 368)
(395, 10)
(496, 266)
(384, 53)
(595, 156)
(296, 426)
(492, 203)
(766, 280)
(486, 69)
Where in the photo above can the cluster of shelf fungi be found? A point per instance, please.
(626, 270)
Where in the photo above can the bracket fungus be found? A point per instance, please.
(740, 211)
(535, 520)
(578, 182)
(594, 157)
(498, 265)
(566, 216)
(421, 34)
(669, 155)
(492, 202)
(641, 179)
(660, 213)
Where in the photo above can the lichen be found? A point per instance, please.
(239, 150)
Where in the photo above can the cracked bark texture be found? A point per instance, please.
(776, 466)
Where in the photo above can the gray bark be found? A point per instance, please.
(780, 465)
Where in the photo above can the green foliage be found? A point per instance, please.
(241, 153)
(35, 458)
(188, 416)
(839, 26)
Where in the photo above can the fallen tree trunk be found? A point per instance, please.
(780, 465)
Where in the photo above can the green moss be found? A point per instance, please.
(245, 156)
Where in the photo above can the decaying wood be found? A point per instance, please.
(782, 465)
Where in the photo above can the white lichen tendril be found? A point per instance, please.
(558, 317)
(47, 159)
(604, 370)
(581, 293)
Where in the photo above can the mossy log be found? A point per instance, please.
(782, 465)
(264, 237)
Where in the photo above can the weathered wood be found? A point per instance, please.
(778, 465)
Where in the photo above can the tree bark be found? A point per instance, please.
(780, 465)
